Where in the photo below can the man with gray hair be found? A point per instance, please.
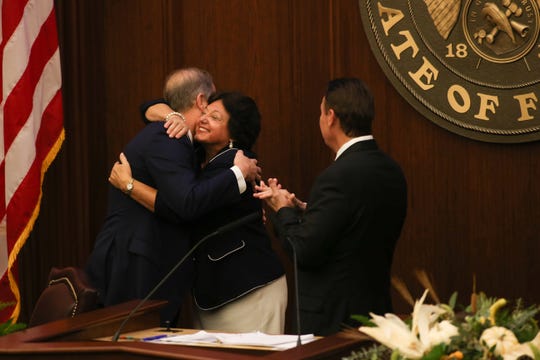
(136, 248)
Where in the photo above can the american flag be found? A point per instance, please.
(30, 126)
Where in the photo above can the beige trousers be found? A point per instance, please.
(260, 310)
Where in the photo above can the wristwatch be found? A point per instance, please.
(129, 187)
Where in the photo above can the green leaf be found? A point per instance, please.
(364, 320)
(395, 355)
(9, 327)
(535, 351)
(453, 300)
(4, 305)
(436, 353)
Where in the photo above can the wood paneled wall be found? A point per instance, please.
(473, 206)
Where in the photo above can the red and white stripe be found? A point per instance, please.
(30, 125)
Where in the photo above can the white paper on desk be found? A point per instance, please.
(199, 337)
(262, 339)
(281, 342)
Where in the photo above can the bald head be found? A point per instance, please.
(183, 86)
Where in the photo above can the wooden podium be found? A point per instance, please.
(74, 338)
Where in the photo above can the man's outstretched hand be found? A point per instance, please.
(248, 167)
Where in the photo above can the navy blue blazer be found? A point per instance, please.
(346, 238)
(136, 248)
(237, 262)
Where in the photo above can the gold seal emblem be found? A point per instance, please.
(471, 66)
(444, 14)
(501, 32)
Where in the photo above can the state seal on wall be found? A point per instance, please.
(471, 66)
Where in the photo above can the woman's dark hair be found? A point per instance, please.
(245, 120)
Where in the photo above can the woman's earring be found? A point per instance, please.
(230, 144)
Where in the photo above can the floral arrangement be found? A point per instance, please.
(489, 328)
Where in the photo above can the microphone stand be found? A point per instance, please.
(296, 293)
(220, 230)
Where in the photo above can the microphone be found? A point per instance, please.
(225, 228)
(296, 292)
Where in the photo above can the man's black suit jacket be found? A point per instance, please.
(346, 238)
(136, 248)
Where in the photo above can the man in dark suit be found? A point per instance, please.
(345, 236)
(136, 248)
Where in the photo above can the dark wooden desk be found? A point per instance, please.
(73, 339)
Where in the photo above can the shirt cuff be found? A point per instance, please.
(239, 179)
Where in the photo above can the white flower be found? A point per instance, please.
(425, 333)
(392, 332)
(425, 325)
(518, 350)
(502, 338)
(441, 333)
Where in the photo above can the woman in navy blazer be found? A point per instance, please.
(237, 272)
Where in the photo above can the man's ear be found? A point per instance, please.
(201, 101)
(331, 119)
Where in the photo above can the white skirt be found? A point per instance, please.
(260, 310)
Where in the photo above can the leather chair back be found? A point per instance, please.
(68, 293)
